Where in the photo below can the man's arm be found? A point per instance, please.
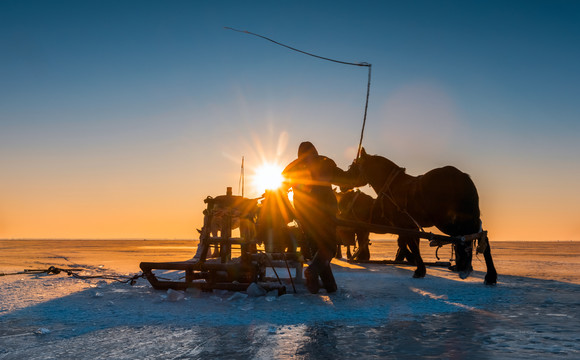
(339, 176)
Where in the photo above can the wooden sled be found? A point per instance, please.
(225, 272)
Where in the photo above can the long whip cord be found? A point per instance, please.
(328, 59)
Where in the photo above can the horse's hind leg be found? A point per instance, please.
(413, 244)
(491, 275)
(403, 252)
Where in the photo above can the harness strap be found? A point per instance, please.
(387, 187)
(350, 209)
(392, 176)
(388, 193)
(351, 204)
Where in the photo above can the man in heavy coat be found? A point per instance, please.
(310, 177)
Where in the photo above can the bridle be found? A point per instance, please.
(386, 191)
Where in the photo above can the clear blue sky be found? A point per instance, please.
(117, 118)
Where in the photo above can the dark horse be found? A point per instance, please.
(354, 205)
(444, 197)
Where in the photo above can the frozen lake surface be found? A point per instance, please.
(380, 311)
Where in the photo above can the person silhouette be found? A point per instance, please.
(311, 176)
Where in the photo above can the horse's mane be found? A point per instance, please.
(383, 162)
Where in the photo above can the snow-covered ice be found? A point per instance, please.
(379, 311)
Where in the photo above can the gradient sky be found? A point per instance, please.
(117, 118)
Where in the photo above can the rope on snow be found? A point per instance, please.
(73, 272)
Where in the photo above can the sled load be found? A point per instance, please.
(215, 265)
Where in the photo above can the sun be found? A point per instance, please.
(268, 177)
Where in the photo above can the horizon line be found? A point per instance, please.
(182, 239)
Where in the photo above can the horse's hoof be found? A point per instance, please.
(464, 274)
(419, 274)
(490, 280)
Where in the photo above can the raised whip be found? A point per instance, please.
(328, 59)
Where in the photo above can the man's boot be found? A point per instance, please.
(311, 277)
(328, 279)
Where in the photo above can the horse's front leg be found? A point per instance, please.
(413, 244)
(363, 244)
(491, 275)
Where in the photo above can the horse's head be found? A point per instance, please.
(375, 170)
(353, 177)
